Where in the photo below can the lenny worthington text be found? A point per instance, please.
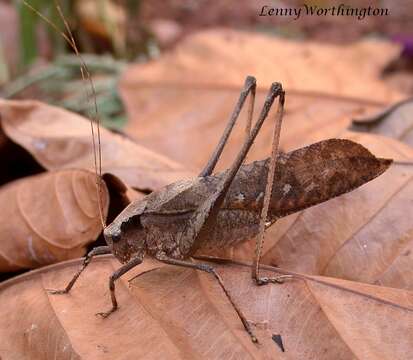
(313, 10)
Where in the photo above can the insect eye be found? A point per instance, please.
(116, 237)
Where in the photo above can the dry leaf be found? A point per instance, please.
(60, 139)
(120, 194)
(189, 122)
(365, 235)
(224, 57)
(98, 20)
(178, 313)
(49, 218)
(395, 121)
(15, 162)
(179, 104)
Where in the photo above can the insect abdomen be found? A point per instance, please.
(232, 227)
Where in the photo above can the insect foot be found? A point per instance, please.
(207, 268)
(104, 315)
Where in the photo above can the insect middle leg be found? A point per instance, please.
(209, 269)
(100, 250)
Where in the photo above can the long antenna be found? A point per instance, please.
(97, 154)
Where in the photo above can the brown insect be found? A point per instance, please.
(215, 211)
(178, 222)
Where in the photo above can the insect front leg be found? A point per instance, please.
(100, 250)
(209, 269)
(116, 275)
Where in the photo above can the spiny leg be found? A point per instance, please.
(250, 112)
(205, 216)
(100, 250)
(218, 260)
(116, 275)
(209, 269)
(267, 197)
(249, 88)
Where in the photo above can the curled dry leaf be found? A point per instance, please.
(58, 139)
(178, 313)
(365, 235)
(192, 91)
(15, 162)
(120, 194)
(396, 121)
(49, 218)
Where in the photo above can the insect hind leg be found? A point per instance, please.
(205, 216)
(267, 197)
(250, 86)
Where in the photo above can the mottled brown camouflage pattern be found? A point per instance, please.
(303, 178)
